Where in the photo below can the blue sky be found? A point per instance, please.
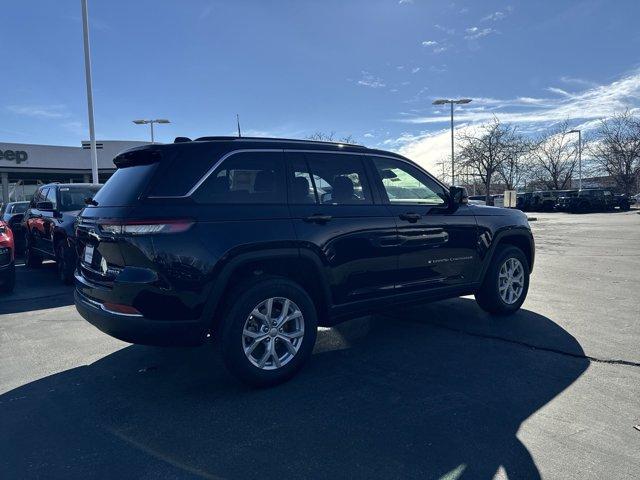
(289, 68)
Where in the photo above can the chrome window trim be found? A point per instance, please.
(215, 166)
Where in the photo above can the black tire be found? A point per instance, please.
(31, 259)
(488, 296)
(64, 263)
(8, 280)
(242, 302)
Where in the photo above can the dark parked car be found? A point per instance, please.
(587, 200)
(48, 225)
(12, 213)
(256, 242)
(7, 256)
(547, 200)
(623, 201)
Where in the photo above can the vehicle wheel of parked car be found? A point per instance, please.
(31, 259)
(64, 264)
(268, 331)
(8, 281)
(506, 282)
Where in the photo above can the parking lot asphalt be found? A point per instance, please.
(433, 391)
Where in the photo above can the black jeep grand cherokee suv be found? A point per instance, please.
(256, 242)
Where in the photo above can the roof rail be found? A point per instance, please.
(270, 139)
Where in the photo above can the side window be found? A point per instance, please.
(301, 191)
(40, 196)
(405, 184)
(250, 177)
(51, 197)
(339, 179)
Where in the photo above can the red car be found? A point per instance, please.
(7, 254)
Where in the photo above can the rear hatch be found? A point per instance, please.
(144, 197)
(99, 253)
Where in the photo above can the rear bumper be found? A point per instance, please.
(138, 329)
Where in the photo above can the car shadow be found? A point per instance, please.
(380, 398)
(36, 289)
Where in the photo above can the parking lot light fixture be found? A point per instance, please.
(460, 101)
(579, 132)
(151, 122)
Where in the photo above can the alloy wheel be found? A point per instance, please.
(511, 280)
(273, 333)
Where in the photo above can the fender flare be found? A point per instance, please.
(228, 266)
(497, 239)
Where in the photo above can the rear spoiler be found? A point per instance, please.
(137, 156)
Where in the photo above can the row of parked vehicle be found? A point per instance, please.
(574, 201)
(43, 229)
(256, 242)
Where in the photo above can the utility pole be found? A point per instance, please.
(87, 74)
(460, 101)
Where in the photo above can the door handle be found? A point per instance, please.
(318, 218)
(410, 217)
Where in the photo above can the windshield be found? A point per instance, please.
(72, 198)
(19, 208)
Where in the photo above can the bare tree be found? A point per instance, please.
(486, 150)
(330, 137)
(517, 165)
(616, 149)
(555, 157)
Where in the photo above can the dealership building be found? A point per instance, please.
(24, 166)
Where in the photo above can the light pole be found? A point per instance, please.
(579, 132)
(151, 122)
(87, 73)
(460, 101)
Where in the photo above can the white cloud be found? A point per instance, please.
(578, 81)
(447, 30)
(368, 135)
(415, 70)
(497, 15)
(474, 33)
(403, 2)
(436, 47)
(39, 111)
(371, 81)
(493, 16)
(532, 115)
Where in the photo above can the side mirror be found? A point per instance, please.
(459, 195)
(45, 206)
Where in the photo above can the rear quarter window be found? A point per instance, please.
(246, 178)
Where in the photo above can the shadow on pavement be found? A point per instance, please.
(380, 398)
(36, 289)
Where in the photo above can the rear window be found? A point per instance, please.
(72, 198)
(19, 208)
(125, 186)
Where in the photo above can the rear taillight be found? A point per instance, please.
(145, 227)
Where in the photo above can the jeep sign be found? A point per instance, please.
(17, 156)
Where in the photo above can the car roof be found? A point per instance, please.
(232, 143)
